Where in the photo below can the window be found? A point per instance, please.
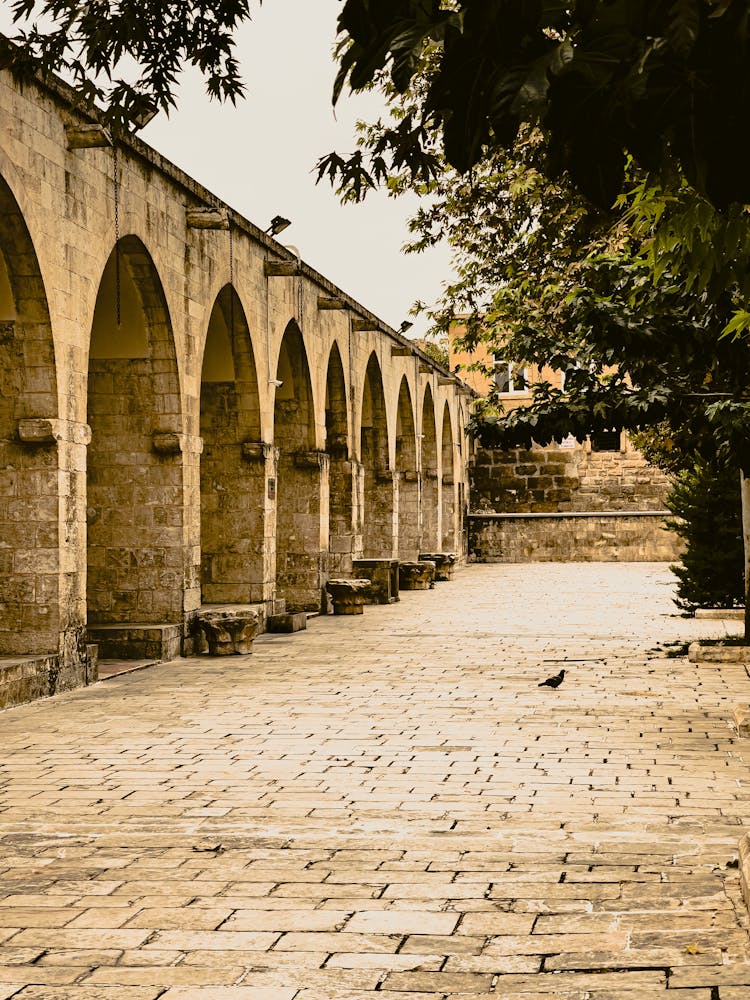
(510, 377)
(605, 440)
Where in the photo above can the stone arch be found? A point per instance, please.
(232, 474)
(136, 556)
(408, 476)
(342, 489)
(448, 486)
(429, 468)
(30, 616)
(378, 509)
(302, 491)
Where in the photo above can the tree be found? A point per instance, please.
(660, 79)
(91, 42)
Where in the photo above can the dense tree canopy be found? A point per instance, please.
(657, 78)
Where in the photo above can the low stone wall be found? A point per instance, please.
(24, 679)
(599, 536)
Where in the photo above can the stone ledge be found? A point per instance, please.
(138, 641)
(566, 514)
(699, 652)
(26, 678)
(727, 614)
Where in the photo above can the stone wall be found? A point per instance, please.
(536, 505)
(550, 480)
(579, 537)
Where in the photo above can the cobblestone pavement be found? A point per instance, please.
(389, 806)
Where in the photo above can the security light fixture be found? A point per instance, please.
(275, 382)
(278, 225)
(406, 325)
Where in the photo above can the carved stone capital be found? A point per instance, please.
(310, 459)
(416, 575)
(348, 596)
(258, 451)
(229, 632)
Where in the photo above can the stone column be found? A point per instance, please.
(302, 529)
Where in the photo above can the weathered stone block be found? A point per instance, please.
(416, 575)
(741, 719)
(39, 430)
(444, 563)
(229, 632)
(383, 577)
(699, 652)
(292, 622)
(347, 596)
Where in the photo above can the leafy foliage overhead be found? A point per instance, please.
(126, 55)
(604, 77)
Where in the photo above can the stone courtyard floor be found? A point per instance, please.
(388, 806)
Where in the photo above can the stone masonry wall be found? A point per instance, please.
(512, 489)
(623, 537)
(102, 454)
(549, 480)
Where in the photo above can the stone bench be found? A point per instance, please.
(416, 575)
(347, 596)
(444, 563)
(229, 632)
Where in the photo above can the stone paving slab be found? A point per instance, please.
(388, 806)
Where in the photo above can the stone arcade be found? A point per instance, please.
(190, 416)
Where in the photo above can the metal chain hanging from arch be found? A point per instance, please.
(231, 284)
(116, 192)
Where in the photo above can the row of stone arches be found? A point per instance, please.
(250, 520)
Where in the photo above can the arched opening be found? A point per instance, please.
(408, 477)
(430, 491)
(448, 487)
(377, 505)
(232, 477)
(302, 482)
(136, 552)
(30, 621)
(342, 485)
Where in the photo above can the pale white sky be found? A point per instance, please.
(259, 157)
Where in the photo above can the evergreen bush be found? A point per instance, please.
(706, 505)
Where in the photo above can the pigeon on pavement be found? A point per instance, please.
(553, 682)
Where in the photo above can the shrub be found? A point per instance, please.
(707, 502)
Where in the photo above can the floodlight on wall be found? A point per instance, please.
(278, 225)
(276, 382)
(406, 325)
(142, 119)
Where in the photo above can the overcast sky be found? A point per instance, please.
(259, 157)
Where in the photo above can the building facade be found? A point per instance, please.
(189, 414)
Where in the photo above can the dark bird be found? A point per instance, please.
(553, 682)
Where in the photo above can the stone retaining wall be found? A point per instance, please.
(576, 537)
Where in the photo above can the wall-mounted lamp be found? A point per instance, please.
(406, 325)
(278, 225)
(275, 382)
